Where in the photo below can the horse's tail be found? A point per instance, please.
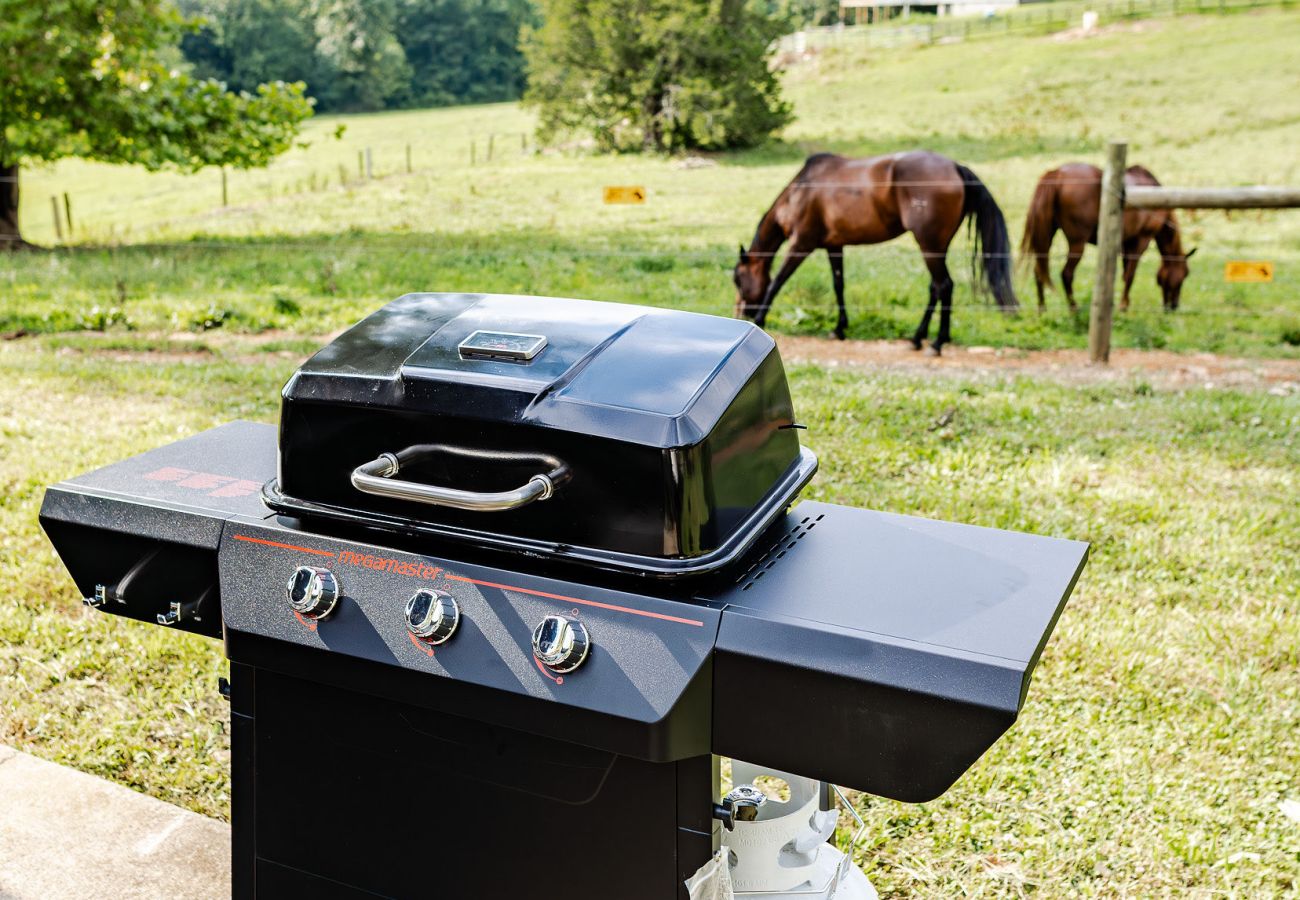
(1040, 225)
(991, 253)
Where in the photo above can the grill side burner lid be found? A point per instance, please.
(660, 441)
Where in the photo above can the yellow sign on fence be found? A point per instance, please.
(1248, 270)
(624, 193)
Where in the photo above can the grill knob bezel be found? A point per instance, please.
(320, 595)
(561, 644)
(439, 623)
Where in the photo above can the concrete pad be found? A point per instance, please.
(66, 834)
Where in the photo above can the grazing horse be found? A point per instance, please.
(835, 201)
(1069, 198)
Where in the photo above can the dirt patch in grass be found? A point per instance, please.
(1161, 368)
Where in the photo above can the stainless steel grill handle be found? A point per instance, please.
(376, 477)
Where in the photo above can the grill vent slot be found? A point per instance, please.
(778, 550)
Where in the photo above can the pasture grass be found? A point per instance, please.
(1162, 728)
(1160, 734)
(300, 248)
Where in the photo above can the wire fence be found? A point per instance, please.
(303, 263)
(1029, 18)
(636, 237)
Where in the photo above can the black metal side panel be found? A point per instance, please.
(895, 650)
(644, 690)
(455, 808)
(145, 531)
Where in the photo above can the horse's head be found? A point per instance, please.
(1172, 274)
(752, 276)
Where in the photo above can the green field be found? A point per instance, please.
(1163, 726)
(159, 252)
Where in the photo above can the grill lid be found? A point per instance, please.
(656, 377)
(643, 439)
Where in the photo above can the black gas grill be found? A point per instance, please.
(526, 567)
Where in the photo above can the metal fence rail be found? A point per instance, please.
(1257, 197)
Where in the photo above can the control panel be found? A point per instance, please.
(608, 651)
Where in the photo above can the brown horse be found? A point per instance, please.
(1069, 198)
(835, 201)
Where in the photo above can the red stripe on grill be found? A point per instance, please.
(253, 540)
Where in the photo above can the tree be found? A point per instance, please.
(247, 42)
(655, 74)
(100, 79)
(365, 54)
(357, 39)
(464, 51)
(805, 13)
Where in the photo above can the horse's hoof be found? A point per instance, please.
(933, 351)
(839, 335)
(917, 345)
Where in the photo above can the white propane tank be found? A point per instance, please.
(783, 851)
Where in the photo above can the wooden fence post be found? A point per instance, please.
(225, 190)
(1110, 237)
(408, 159)
(67, 211)
(58, 223)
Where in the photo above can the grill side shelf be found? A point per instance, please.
(140, 537)
(898, 649)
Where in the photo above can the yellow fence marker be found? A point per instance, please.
(1248, 271)
(623, 193)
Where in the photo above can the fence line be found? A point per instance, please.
(1040, 18)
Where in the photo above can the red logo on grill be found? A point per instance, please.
(209, 484)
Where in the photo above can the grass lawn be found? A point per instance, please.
(1161, 732)
(298, 249)
(1163, 727)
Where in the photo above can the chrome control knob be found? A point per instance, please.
(561, 644)
(313, 592)
(432, 616)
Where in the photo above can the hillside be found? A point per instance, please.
(294, 243)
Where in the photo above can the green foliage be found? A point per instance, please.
(365, 54)
(358, 43)
(655, 74)
(464, 51)
(240, 41)
(99, 80)
(805, 13)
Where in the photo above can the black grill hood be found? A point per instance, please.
(674, 429)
